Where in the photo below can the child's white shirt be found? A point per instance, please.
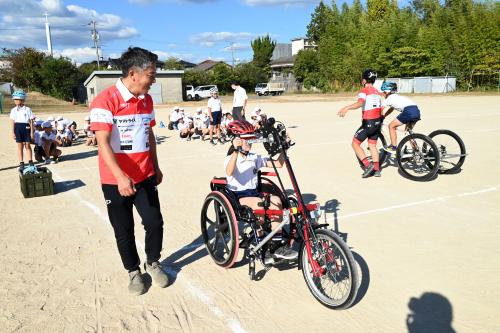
(244, 176)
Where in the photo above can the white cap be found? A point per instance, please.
(190, 120)
(257, 109)
(46, 124)
(59, 118)
(87, 118)
(60, 127)
(199, 109)
(50, 118)
(176, 107)
(181, 109)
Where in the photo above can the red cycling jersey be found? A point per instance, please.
(129, 119)
(372, 103)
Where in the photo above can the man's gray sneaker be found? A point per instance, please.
(377, 173)
(160, 278)
(368, 171)
(136, 283)
(285, 252)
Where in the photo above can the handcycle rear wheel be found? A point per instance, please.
(417, 157)
(451, 150)
(219, 229)
(336, 288)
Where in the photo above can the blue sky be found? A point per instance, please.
(193, 30)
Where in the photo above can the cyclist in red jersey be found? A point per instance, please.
(371, 103)
(122, 117)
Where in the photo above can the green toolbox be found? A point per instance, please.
(38, 184)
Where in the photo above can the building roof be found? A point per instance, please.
(283, 62)
(119, 73)
(282, 50)
(187, 64)
(208, 64)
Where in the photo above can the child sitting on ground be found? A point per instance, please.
(48, 144)
(89, 134)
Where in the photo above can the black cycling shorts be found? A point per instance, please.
(369, 129)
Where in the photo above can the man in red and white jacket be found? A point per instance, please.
(122, 118)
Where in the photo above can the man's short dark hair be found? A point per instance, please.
(137, 57)
(235, 82)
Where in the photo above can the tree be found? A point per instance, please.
(263, 48)
(25, 66)
(249, 75)
(320, 19)
(59, 77)
(222, 76)
(172, 63)
(306, 68)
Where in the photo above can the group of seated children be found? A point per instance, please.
(190, 126)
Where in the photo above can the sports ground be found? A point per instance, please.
(427, 251)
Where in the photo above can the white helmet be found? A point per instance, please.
(214, 90)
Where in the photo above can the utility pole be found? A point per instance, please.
(47, 34)
(95, 39)
(232, 52)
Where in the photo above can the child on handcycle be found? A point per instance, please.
(241, 169)
(409, 111)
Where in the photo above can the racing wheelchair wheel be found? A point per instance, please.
(219, 229)
(451, 150)
(417, 157)
(336, 286)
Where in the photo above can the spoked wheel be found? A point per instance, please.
(418, 157)
(335, 286)
(382, 154)
(219, 229)
(451, 150)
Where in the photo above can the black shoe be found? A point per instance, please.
(188, 138)
(377, 173)
(21, 166)
(213, 142)
(368, 171)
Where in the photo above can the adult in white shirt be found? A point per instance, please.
(22, 127)
(239, 101)
(215, 114)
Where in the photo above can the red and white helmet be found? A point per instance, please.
(241, 128)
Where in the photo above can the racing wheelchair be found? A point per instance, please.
(327, 263)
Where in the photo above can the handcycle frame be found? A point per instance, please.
(301, 218)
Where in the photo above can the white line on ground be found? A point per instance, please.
(414, 203)
(195, 291)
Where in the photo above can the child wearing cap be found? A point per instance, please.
(91, 139)
(48, 144)
(186, 128)
(22, 127)
(36, 140)
(200, 124)
(174, 118)
(64, 135)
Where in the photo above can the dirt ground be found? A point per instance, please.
(427, 251)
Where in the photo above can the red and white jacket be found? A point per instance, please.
(129, 120)
(372, 102)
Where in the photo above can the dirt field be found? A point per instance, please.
(426, 249)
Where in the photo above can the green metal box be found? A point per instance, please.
(37, 185)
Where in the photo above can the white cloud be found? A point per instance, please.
(69, 24)
(237, 47)
(162, 55)
(278, 2)
(207, 44)
(78, 55)
(220, 37)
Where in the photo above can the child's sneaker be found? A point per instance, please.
(368, 171)
(55, 160)
(390, 149)
(47, 161)
(21, 166)
(214, 143)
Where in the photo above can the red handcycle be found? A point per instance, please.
(326, 261)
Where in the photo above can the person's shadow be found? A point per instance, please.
(431, 313)
(174, 263)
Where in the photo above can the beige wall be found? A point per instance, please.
(171, 86)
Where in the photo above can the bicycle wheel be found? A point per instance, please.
(336, 285)
(417, 157)
(382, 154)
(219, 229)
(451, 150)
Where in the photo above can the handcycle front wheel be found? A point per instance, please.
(451, 150)
(417, 157)
(219, 229)
(336, 286)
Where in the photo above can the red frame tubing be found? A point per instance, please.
(316, 268)
(269, 173)
(219, 181)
